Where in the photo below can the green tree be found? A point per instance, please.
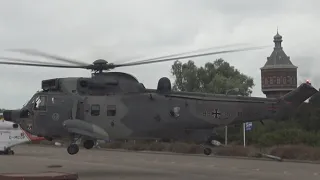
(217, 77)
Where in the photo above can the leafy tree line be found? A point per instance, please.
(220, 77)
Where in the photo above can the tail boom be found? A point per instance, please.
(290, 102)
(296, 97)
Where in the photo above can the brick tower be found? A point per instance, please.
(278, 75)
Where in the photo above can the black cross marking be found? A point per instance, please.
(216, 113)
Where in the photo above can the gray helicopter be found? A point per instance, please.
(115, 105)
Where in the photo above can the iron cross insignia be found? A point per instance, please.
(216, 113)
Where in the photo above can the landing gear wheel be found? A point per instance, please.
(73, 149)
(88, 144)
(11, 152)
(8, 152)
(207, 151)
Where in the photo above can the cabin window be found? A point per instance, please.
(111, 110)
(95, 110)
(40, 103)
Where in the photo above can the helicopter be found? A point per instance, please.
(12, 135)
(115, 105)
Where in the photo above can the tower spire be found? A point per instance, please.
(277, 39)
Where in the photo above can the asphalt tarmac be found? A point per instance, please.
(104, 165)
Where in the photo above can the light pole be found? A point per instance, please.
(226, 127)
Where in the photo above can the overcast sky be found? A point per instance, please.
(121, 29)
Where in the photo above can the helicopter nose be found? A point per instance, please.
(11, 115)
(7, 115)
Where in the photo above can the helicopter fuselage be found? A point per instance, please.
(149, 114)
(83, 107)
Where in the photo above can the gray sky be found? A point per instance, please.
(113, 30)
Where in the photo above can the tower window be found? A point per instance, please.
(284, 80)
(95, 110)
(278, 80)
(271, 80)
(289, 80)
(266, 81)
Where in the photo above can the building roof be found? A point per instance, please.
(278, 58)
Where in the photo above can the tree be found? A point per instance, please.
(217, 77)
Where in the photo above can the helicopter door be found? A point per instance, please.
(40, 113)
(49, 122)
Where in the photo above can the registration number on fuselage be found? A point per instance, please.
(16, 137)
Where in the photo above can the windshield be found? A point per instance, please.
(32, 100)
(39, 102)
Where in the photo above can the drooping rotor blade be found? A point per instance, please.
(189, 52)
(26, 61)
(42, 65)
(38, 53)
(189, 56)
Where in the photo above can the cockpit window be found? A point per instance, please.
(40, 103)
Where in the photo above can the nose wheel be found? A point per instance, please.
(73, 149)
(207, 151)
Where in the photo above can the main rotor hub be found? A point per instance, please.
(100, 62)
(100, 65)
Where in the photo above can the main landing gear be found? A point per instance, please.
(73, 148)
(88, 144)
(207, 151)
(213, 141)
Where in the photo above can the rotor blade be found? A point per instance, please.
(41, 65)
(38, 53)
(26, 61)
(190, 56)
(194, 51)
